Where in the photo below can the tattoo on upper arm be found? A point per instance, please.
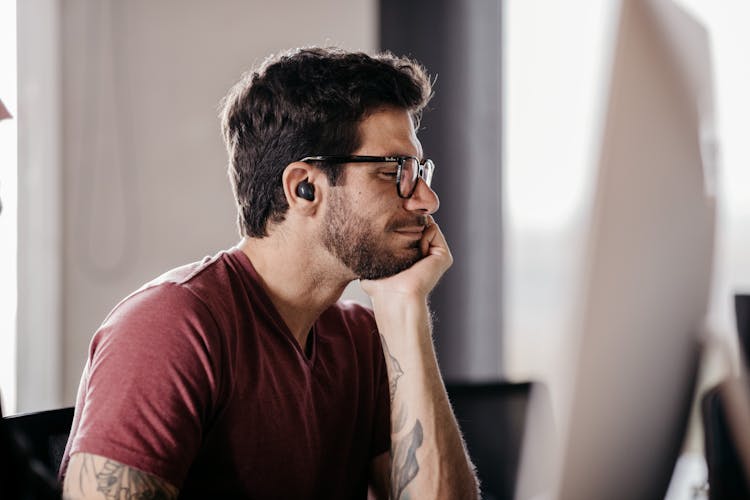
(87, 470)
(395, 371)
(404, 466)
(116, 481)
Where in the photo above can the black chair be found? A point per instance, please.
(45, 434)
(31, 448)
(742, 313)
(726, 475)
(492, 417)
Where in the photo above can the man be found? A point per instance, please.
(241, 376)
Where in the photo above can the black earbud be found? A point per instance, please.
(306, 191)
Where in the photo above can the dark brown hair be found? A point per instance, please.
(306, 102)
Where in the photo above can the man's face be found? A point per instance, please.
(368, 227)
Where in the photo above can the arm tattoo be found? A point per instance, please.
(117, 481)
(398, 418)
(88, 463)
(404, 466)
(94, 476)
(395, 371)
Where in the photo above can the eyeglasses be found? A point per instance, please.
(410, 169)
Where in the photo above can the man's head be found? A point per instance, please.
(374, 228)
(302, 102)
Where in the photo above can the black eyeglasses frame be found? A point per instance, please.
(425, 166)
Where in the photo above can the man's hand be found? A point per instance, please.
(421, 278)
(428, 458)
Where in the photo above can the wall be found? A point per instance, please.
(145, 186)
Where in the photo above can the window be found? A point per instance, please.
(9, 215)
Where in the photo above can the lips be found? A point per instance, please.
(410, 226)
(415, 232)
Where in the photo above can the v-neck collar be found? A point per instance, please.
(255, 283)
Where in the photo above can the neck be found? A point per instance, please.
(299, 287)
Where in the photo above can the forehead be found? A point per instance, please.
(387, 132)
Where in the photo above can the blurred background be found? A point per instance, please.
(113, 170)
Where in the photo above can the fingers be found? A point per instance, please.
(427, 236)
(422, 277)
(433, 242)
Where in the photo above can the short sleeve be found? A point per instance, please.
(151, 382)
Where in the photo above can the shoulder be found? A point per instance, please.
(192, 309)
(202, 278)
(190, 292)
(177, 308)
(160, 319)
(165, 305)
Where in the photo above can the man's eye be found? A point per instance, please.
(388, 174)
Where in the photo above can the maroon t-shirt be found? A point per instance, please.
(195, 378)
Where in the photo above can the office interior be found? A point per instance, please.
(113, 169)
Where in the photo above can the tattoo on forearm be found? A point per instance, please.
(398, 418)
(404, 466)
(394, 368)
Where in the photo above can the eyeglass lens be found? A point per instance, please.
(410, 170)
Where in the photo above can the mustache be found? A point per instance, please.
(416, 221)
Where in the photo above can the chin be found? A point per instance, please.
(385, 268)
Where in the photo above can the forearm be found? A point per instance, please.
(428, 456)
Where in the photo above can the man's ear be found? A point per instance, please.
(302, 185)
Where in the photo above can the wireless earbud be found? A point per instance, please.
(306, 191)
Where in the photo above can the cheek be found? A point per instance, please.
(369, 204)
(377, 207)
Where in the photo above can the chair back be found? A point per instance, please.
(727, 479)
(45, 433)
(493, 419)
(742, 313)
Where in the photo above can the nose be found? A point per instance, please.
(424, 200)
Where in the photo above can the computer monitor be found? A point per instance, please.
(648, 271)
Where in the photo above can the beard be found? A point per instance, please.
(350, 238)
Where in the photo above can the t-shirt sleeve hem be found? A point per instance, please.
(379, 450)
(132, 458)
